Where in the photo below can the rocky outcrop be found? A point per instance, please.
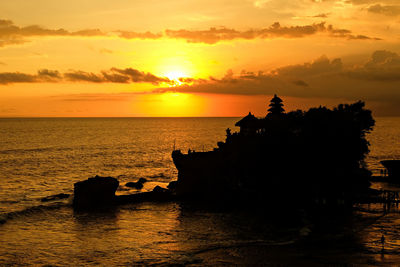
(136, 185)
(158, 194)
(99, 192)
(55, 197)
(172, 185)
(95, 192)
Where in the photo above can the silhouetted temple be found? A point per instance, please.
(313, 157)
(248, 125)
(276, 106)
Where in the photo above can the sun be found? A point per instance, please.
(174, 68)
(174, 76)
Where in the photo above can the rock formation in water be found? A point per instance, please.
(303, 158)
(99, 192)
(95, 192)
(138, 184)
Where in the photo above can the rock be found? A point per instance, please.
(95, 192)
(136, 185)
(55, 197)
(159, 189)
(172, 185)
(142, 180)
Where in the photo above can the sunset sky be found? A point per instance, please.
(196, 58)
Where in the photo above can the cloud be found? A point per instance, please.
(11, 34)
(300, 83)
(215, 35)
(385, 10)
(82, 76)
(16, 77)
(139, 35)
(319, 66)
(322, 15)
(383, 66)
(9, 29)
(363, 2)
(114, 75)
(138, 76)
(383, 59)
(376, 80)
(101, 97)
(43, 75)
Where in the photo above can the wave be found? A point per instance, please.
(27, 150)
(5, 217)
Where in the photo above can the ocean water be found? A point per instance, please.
(40, 157)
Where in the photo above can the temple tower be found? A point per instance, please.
(276, 106)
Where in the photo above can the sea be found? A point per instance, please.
(41, 157)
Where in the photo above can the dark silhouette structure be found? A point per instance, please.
(300, 158)
(393, 169)
(276, 106)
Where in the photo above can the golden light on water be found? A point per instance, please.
(171, 104)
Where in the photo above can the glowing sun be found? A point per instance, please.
(174, 76)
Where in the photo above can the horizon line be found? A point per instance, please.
(105, 117)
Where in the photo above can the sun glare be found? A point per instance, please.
(171, 104)
(174, 75)
(173, 68)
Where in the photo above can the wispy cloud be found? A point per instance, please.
(388, 10)
(11, 34)
(114, 75)
(214, 35)
(139, 35)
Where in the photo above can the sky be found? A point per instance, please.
(145, 58)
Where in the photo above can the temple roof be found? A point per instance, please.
(276, 99)
(246, 121)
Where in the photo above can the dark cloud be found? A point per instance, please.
(50, 75)
(16, 77)
(9, 29)
(114, 75)
(385, 10)
(384, 66)
(12, 34)
(83, 76)
(322, 15)
(215, 35)
(139, 76)
(383, 59)
(43, 75)
(376, 80)
(300, 83)
(319, 66)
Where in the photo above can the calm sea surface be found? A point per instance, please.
(44, 156)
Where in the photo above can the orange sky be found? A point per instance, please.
(196, 58)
